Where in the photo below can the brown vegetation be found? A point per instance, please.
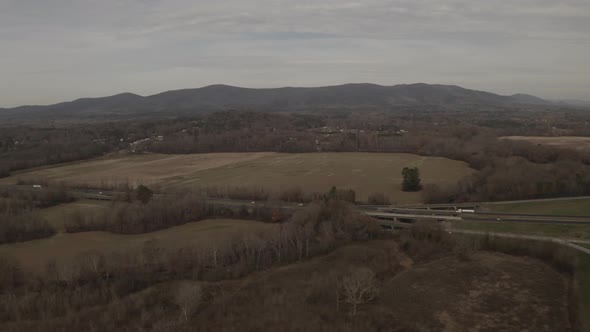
(378, 199)
(19, 220)
(359, 287)
(97, 279)
(165, 212)
(428, 284)
(567, 142)
(551, 171)
(23, 227)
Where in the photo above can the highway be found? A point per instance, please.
(442, 215)
(394, 217)
(479, 204)
(408, 216)
(377, 211)
(397, 213)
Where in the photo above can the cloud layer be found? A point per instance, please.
(64, 49)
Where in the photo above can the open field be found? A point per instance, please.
(147, 168)
(568, 142)
(573, 207)
(65, 247)
(57, 215)
(554, 230)
(313, 172)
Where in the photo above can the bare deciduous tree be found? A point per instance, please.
(188, 297)
(359, 287)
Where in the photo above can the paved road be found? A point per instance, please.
(389, 219)
(384, 213)
(377, 211)
(479, 204)
(389, 215)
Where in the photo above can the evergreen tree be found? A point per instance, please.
(411, 180)
(144, 194)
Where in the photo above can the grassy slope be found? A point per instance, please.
(583, 283)
(555, 230)
(575, 207)
(569, 231)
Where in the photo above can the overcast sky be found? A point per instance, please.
(57, 50)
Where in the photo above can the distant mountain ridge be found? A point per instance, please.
(224, 97)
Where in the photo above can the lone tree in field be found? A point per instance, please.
(359, 287)
(411, 179)
(144, 194)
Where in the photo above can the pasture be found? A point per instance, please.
(365, 173)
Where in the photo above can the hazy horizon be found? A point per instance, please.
(64, 50)
(246, 87)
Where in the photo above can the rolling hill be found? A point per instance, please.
(224, 97)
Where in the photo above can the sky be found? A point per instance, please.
(58, 50)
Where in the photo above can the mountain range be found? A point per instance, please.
(224, 97)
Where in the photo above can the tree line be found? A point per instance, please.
(19, 215)
(467, 135)
(99, 279)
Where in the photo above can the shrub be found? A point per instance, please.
(411, 180)
(23, 227)
(378, 199)
(144, 194)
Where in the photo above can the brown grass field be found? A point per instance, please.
(568, 142)
(313, 172)
(64, 248)
(57, 215)
(565, 207)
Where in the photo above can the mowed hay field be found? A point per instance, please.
(65, 248)
(568, 142)
(313, 172)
